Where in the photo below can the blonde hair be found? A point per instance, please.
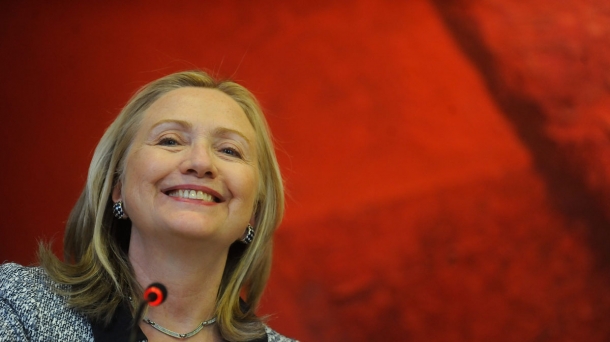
(95, 243)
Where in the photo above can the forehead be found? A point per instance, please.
(199, 106)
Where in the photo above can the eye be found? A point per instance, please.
(168, 141)
(230, 151)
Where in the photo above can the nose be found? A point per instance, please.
(199, 160)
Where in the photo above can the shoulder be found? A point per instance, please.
(21, 286)
(274, 336)
(27, 286)
(13, 274)
(31, 308)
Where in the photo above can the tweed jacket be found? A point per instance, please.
(31, 310)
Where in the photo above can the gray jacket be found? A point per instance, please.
(30, 309)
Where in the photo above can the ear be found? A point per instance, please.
(116, 192)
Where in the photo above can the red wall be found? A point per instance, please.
(447, 162)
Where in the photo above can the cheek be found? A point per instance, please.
(134, 172)
(247, 185)
(141, 169)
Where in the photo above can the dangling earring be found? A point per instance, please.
(117, 210)
(249, 235)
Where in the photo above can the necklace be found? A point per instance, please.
(177, 335)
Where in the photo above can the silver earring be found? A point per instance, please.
(117, 210)
(249, 235)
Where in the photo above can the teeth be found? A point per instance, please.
(192, 194)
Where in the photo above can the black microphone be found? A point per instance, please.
(154, 295)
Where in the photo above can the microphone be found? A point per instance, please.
(154, 295)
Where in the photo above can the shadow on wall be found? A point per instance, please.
(517, 256)
(564, 166)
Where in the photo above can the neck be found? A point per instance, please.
(190, 270)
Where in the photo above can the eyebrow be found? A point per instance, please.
(223, 131)
(184, 124)
(220, 131)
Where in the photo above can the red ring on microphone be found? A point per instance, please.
(153, 295)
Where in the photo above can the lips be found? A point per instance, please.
(195, 193)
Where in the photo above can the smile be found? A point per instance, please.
(192, 194)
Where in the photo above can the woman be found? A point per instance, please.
(183, 189)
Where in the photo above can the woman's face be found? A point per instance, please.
(191, 170)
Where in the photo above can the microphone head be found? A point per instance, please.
(155, 294)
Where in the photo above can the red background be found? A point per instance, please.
(447, 162)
